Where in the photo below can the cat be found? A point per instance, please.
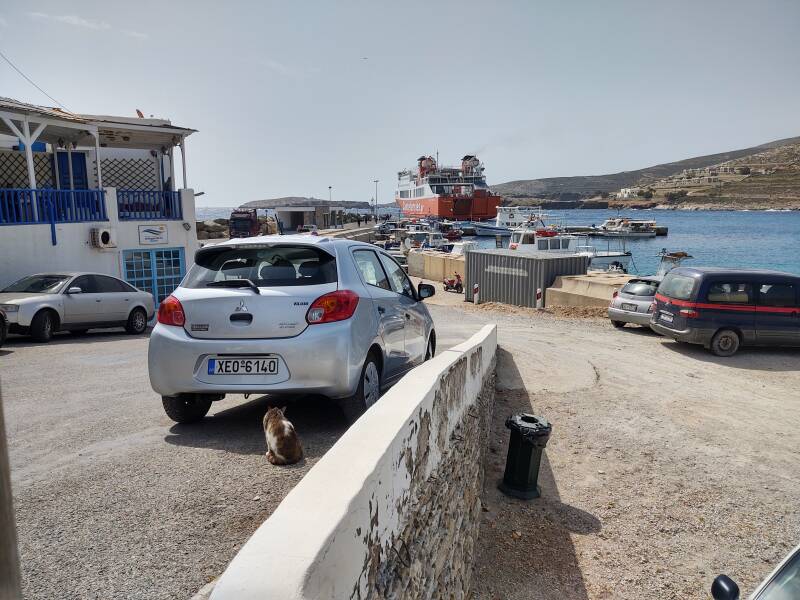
(283, 445)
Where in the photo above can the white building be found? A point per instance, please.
(93, 193)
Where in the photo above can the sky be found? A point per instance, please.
(292, 97)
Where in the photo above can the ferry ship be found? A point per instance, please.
(458, 193)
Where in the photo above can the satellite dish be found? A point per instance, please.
(139, 114)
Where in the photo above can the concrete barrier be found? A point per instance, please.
(592, 289)
(434, 266)
(392, 510)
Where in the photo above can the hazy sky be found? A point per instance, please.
(291, 97)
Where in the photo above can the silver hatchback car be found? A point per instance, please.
(292, 314)
(632, 304)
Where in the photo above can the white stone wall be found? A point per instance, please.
(391, 511)
(27, 249)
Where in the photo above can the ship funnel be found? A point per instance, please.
(469, 164)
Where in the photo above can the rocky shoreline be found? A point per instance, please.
(689, 203)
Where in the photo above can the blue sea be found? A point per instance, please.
(739, 239)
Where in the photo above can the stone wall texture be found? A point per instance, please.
(392, 509)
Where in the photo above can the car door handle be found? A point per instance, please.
(97, 300)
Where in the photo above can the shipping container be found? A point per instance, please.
(512, 278)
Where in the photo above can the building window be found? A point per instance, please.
(156, 271)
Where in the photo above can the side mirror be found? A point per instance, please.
(75, 290)
(724, 588)
(425, 290)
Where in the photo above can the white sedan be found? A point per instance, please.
(39, 305)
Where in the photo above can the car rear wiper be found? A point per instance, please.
(235, 283)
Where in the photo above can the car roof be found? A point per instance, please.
(324, 242)
(651, 278)
(700, 271)
(70, 274)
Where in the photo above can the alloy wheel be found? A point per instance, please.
(372, 384)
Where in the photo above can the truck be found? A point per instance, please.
(244, 223)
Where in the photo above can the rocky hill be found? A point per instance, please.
(301, 201)
(575, 188)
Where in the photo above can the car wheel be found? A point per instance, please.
(431, 349)
(367, 393)
(43, 325)
(187, 408)
(725, 342)
(3, 330)
(137, 322)
(618, 324)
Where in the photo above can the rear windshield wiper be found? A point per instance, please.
(235, 283)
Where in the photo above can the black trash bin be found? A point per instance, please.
(529, 435)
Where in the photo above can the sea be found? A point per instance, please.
(714, 238)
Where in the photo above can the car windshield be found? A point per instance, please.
(786, 584)
(38, 284)
(282, 265)
(677, 286)
(637, 287)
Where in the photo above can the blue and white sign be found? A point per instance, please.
(153, 234)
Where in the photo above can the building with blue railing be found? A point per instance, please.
(93, 193)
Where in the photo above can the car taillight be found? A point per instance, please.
(170, 312)
(615, 294)
(689, 313)
(336, 306)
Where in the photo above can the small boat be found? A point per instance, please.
(425, 239)
(536, 238)
(508, 218)
(623, 227)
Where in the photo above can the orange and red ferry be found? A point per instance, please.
(458, 193)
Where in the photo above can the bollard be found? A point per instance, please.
(539, 298)
(475, 293)
(529, 435)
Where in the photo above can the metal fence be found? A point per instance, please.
(141, 205)
(51, 206)
(512, 277)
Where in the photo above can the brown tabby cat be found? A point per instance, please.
(283, 445)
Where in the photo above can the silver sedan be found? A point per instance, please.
(288, 315)
(39, 305)
(632, 304)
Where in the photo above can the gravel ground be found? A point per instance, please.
(666, 467)
(114, 500)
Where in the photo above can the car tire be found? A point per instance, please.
(367, 393)
(618, 324)
(430, 351)
(725, 343)
(43, 325)
(186, 408)
(137, 322)
(3, 330)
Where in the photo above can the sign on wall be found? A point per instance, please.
(153, 234)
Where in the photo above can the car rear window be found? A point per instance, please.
(637, 287)
(679, 287)
(273, 266)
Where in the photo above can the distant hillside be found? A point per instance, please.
(301, 201)
(572, 188)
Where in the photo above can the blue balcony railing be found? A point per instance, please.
(52, 206)
(142, 205)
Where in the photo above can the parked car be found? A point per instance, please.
(312, 229)
(290, 315)
(3, 327)
(782, 584)
(724, 309)
(632, 304)
(39, 305)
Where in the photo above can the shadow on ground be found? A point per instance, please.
(525, 548)
(748, 358)
(238, 429)
(64, 337)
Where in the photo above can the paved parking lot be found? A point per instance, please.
(113, 499)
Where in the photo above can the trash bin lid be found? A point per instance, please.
(529, 426)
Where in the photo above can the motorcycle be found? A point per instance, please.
(454, 285)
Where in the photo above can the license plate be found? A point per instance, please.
(666, 317)
(629, 307)
(243, 366)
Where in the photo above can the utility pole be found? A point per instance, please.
(9, 557)
(330, 187)
(375, 208)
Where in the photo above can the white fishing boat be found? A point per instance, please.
(623, 227)
(507, 219)
(536, 238)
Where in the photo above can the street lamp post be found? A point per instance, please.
(375, 206)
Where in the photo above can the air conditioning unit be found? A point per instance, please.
(103, 237)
